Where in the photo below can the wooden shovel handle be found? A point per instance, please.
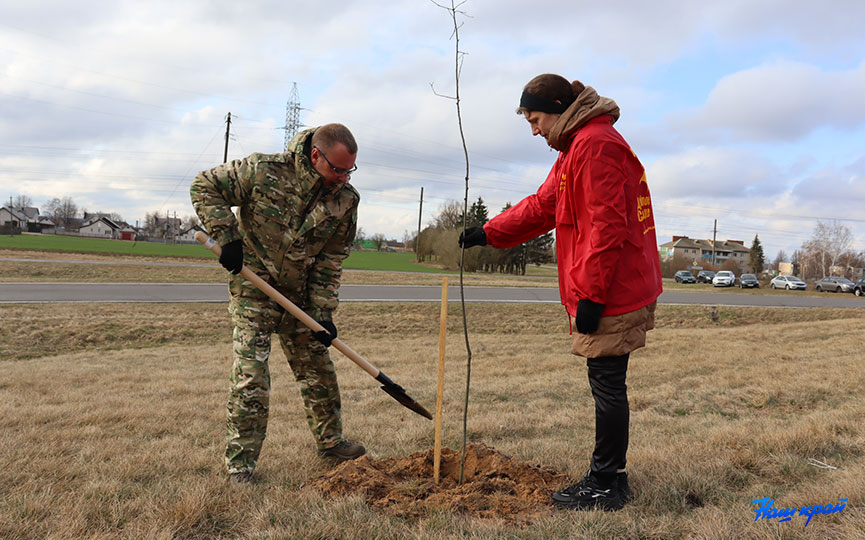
(289, 306)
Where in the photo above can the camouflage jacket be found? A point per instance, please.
(295, 231)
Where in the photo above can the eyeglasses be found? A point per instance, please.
(337, 170)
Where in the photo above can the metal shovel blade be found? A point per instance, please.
(398, 393)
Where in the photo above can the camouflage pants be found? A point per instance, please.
(249, 394)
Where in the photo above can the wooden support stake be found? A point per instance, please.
(437, 455)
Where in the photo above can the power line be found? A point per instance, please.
(96, 111)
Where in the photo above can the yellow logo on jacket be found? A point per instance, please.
(644, 208)
(563, 182)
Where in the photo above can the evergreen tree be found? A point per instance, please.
(538, 249)
(757, 257)
(478, 214)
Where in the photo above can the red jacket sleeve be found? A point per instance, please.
(603, 214)
(531, 217)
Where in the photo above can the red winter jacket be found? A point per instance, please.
(597, 198)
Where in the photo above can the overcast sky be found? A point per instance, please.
(750, 112)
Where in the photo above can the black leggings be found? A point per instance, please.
(607, 379)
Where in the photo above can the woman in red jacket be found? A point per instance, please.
(597, 198)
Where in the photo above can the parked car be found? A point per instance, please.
(834, 284)
(748, 281)
(859, 287)
(705, 276)
(685, 276)
(788, 283)
(724, 278)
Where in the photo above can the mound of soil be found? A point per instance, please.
(495, 486)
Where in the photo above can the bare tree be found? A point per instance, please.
(408, 238)
(378, 239)
(779, 258)
(458, 64)
(61, 211)
(828, 243)
(21, 202)
(359, 237)
(850, 260)
(190, 222)
(450, 216)
(151, 223)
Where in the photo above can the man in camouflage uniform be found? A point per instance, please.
(296, 219)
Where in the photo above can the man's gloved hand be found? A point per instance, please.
(325, 338)
(473, 236)
(232, 256)
(588, 316)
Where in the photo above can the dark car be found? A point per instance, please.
(859, 287)
(684, 276)
(748, 281)
(705, 276)
(834, 284)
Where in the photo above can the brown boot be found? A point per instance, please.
(344, 450)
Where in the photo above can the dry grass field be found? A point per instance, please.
(118, 269)
(113, 415)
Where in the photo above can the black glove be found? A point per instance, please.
(232, 256)
(325, 338)
(588, 316)
(473, 236)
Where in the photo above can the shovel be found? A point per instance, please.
(394, 390)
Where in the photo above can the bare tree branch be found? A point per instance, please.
(432, 86)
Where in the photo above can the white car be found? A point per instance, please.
(724, 278)
(788, 283)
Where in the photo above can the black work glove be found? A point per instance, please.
(588, 316)
(325, 337)
(232, 256)
(473, 236)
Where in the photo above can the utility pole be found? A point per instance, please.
(292, 115)
(227, 128)
(417, 238)
(714, 237)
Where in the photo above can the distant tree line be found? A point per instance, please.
(438, 243)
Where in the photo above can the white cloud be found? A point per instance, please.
(713, 172)
(829, 185)
(782, 101)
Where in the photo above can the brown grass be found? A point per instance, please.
(104, 269)
(121, 438)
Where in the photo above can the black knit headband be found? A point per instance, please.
(533, 102)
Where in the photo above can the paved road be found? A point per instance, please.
(217, 292)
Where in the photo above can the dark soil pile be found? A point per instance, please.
(495, 486)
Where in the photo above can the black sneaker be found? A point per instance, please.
(589, 494)
(243, 477)
(623, 487)
(344, 450)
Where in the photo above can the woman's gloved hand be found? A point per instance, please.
(473, 236)
(588, 316)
